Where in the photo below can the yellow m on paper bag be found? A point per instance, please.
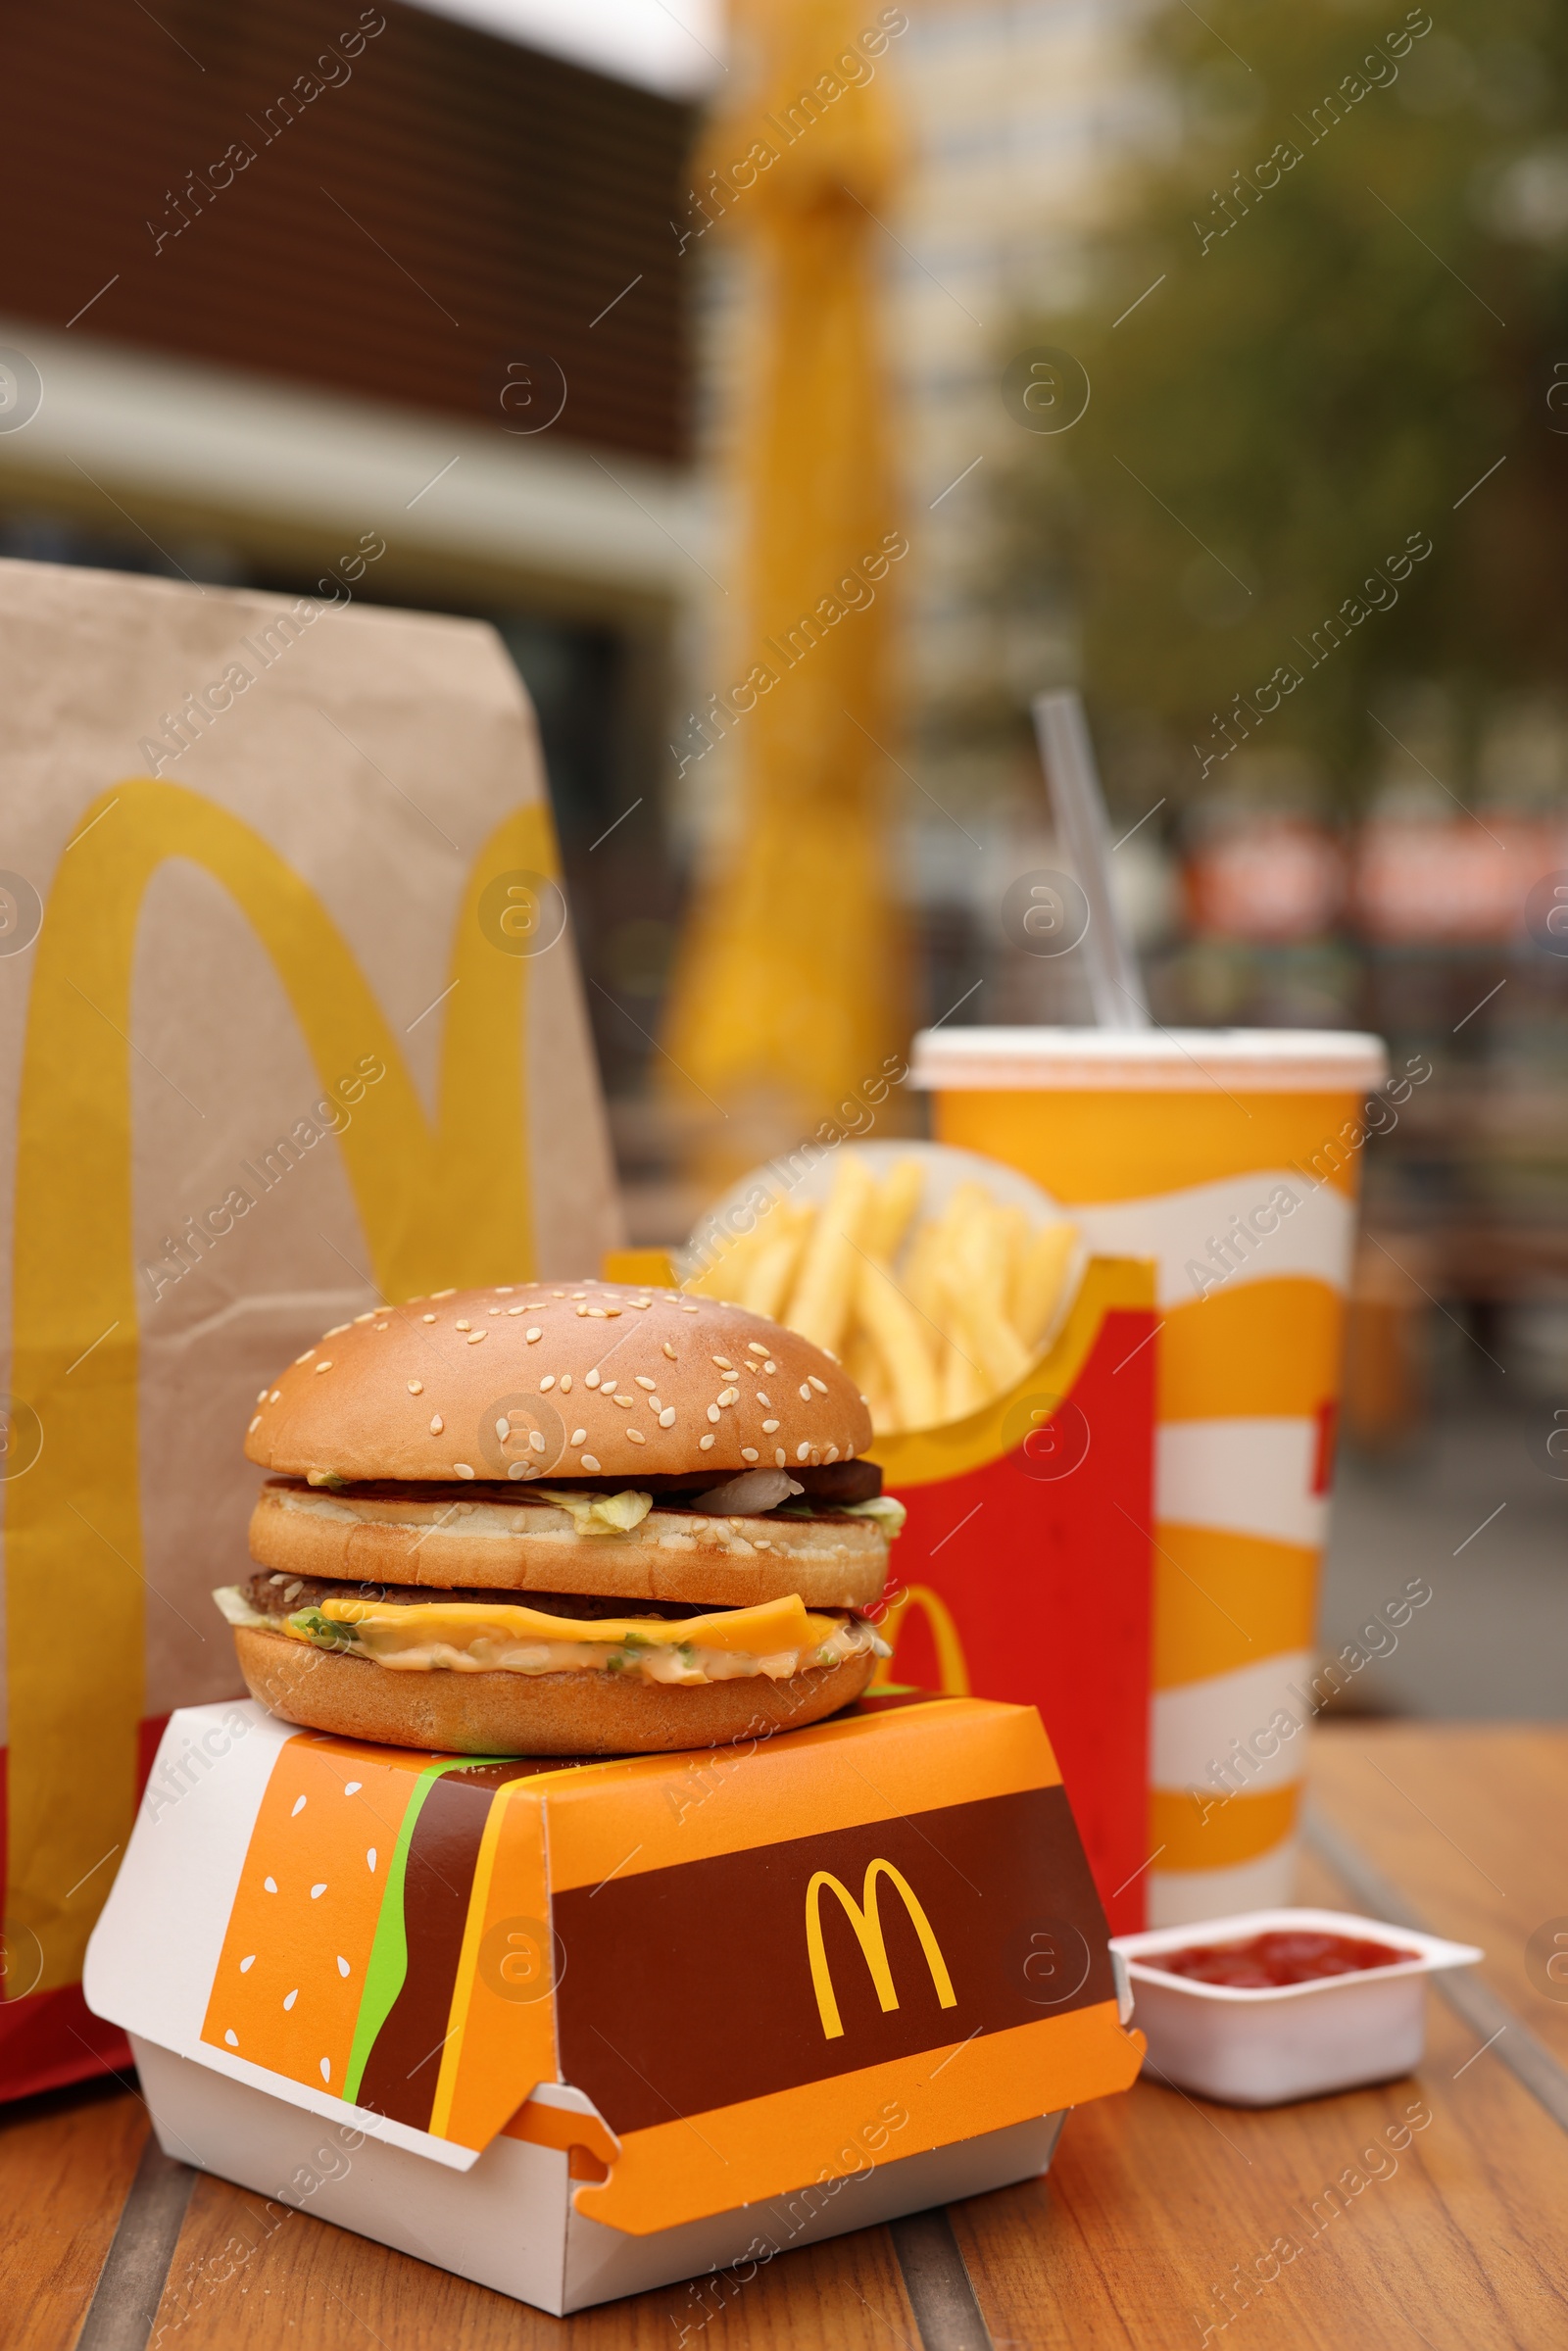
(272, 933)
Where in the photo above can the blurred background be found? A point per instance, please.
(1218, 366)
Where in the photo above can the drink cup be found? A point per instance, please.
(1232, 1158)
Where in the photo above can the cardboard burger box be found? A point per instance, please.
(577, 2030)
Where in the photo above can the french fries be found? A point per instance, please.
(933, 1315)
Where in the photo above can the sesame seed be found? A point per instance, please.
(598, 1314)
(704, 1444)
(643, 1381)
(531, 1335)
(816, 1457)
(610, 1314)
(255, 1424)
(463, 1469)
(503, 1430)
(305, 1358)
(369, 1316)
(522, 1469)
(819, 1384)
(427, 1318)
(698, 1526)
(667, 1418)
(724, 1362)
(759, 1542)
(547, 1384)
(557, 1293)
(755, 1346)
(452, 1292)
(576, 1294)
(669, 1351)
(566, 1383)
(832, 1454)
(655, 1403)
(416, 1388)
(325, 1364)
(625, 1400)
(588, 1461)
(475, 1337)
(536, 1441)
(382, 1326)
(729, 1395)
(338, 1328)
(712, 1413)
(770, 1366)
(462, 1326)
(768, 1426)
(687, 1307)
(779, 1455)
(276, 1393)
(636, 1436)
(591, 1379)
(748, 1453)
(805, 1391)
(737, 1526)
(504, 1289)
(517, 1310)
(765, 1402)
(493, 1310)
(802, 1450)
(579, 1435)
(641, 1302)
(582, 1313)
(437, 1424)
(262, 1399)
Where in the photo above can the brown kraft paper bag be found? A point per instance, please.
(290, 1025)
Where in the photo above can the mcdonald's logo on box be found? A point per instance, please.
(576, 2038)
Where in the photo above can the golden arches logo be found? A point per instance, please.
(864, 1917)
(952, 1669)
(439, 1201)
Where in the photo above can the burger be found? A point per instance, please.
(562, 1519)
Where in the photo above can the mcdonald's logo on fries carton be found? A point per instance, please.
(562, 2029)
(1011, 1379)
(295, 1034)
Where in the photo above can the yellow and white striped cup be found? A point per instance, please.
(1232, 1157)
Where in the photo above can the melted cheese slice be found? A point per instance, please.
(759, 1632)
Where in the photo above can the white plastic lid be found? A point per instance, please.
(1147, 1061)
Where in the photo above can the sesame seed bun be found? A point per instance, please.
(576, 1380)
(513, 1714)
(504, 1541)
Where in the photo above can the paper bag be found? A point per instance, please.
(289, 1026)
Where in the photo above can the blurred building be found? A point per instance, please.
(278, 276)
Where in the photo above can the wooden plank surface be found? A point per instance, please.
(1470, 1820)
(243, 2277)
(1161, 2214)
(66, 2162)
(1159, 2210)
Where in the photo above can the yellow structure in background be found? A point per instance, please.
(789, 989)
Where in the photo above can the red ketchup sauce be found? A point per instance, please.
(1284, 1955)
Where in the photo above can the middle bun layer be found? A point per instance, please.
(674, 1554)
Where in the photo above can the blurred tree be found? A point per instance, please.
(1331, 298)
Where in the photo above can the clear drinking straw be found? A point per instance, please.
(1115, 982)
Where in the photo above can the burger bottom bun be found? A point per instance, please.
(577, 1713)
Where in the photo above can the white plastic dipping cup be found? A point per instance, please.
(1232, 1157)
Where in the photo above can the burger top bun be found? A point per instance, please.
(555, 1379)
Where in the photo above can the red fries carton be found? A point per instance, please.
(577, 2030)
(1024, 1571)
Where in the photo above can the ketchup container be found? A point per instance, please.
(1273, 2005)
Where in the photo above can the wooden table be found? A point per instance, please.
(1155, 2228)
